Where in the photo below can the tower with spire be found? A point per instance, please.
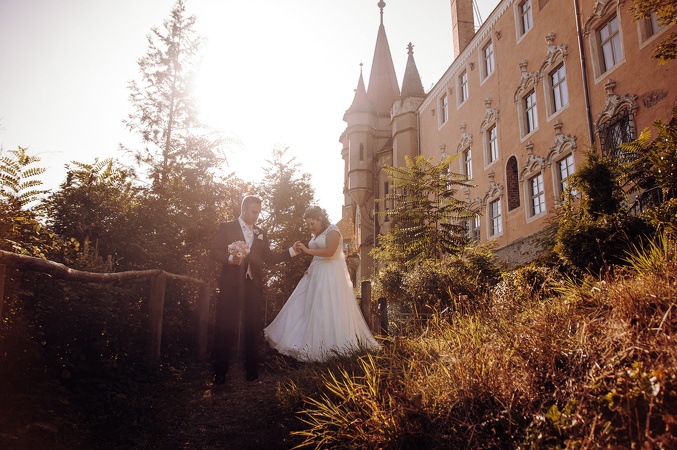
(380, 129)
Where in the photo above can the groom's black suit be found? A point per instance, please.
(240, 293)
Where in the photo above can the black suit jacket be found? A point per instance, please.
(233, 276)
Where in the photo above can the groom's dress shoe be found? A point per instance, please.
(220, 378)
(252, 376)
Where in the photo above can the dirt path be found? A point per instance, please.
(239, 415)
(176, 408)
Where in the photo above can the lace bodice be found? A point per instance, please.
(320, 241)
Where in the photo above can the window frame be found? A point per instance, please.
(529, 113)
(466, 162)
(612, 43)
(495, 215)
(521, 14)
(473, 228)
(537, 197)
(491, 143)
(561, 185)
(487, 61)
(444, 110)
(463, 88)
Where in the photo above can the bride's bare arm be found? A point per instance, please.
(333, 241)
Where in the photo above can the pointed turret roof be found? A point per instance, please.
(383, 87)
(361, 100)
(411, 83)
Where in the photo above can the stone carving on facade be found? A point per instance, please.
(599, 12)
(533, 163)
(466, 139)
(527, 81)
(490, 115)
(555, 55)
(615, 103)
(651, 99)
(563, 144)
(494, 190)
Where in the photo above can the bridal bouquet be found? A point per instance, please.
(239, 249)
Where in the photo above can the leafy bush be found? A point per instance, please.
(456, 282)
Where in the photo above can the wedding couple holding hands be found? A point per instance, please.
(321, 318)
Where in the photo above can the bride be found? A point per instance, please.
(321, 318)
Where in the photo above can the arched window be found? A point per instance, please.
(512, 182)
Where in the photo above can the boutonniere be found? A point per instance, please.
(258, 233)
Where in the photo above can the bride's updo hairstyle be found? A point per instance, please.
(317, 213)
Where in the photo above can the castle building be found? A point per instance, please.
(526, 95)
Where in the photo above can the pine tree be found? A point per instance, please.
(165, 114)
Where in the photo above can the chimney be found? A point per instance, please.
(462, 24)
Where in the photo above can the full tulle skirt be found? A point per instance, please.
(321, 318)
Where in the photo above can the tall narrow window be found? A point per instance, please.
(496, 217)
(531, 112)
(467, 163)
(361, 152)
(648, 27)
(463, 85)
(537, 195)
(512, 181)
(473, 228)
(444, 109)
(653, 24)
(566, 169)
(610, 44)
(560, 93)
(488, 59)
(492, 136)
(526, 20)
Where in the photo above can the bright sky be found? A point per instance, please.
(273, 73)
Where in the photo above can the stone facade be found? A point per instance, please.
(538, 85)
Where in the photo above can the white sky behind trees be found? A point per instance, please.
(273, 73)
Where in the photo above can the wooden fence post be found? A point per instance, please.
(365, 302)
(156, 307)
(2, 288)
(203, 319)
(383, 315)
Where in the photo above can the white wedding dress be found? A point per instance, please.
(321, 317)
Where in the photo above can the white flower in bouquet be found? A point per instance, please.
(238, 249)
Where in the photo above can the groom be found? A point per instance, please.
(241, 288)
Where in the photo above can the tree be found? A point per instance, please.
(286, 194)
(18, 178)
(666, 14)
(651, 172)
(94, 205)
(595, 231)
(165, 113)
(20, 229)
(427, 218)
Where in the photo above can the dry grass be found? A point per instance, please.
(592, 364)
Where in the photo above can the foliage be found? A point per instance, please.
(666, 13)
(18, 178)
(427, 220)
(455, 283)
(21, 231)
(93, 206)
(588, 364)
(593, 231)
(165, 114)
(286, 194)
(651, 173)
